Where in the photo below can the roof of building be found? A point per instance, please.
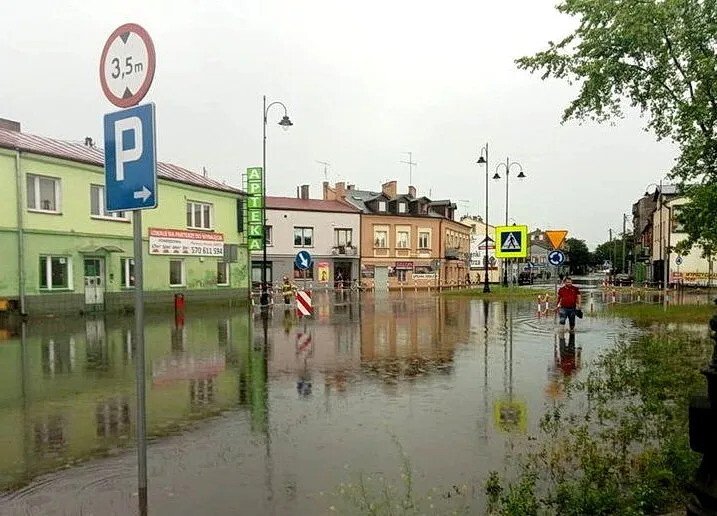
(293, 203)
(95, 156)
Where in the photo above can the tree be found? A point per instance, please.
(658, 56)
(579, 257)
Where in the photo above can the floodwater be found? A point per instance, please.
(269, 416)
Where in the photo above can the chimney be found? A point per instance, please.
(340, 190)
(304, 192)
(9, 125)
(412, 191)
(389, 189)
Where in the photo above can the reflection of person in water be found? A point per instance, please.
(568, 361)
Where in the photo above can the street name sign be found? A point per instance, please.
(130, 159)
(511, 241)
(127, 65)
(556, 258)
(556, 237)
(303, 260)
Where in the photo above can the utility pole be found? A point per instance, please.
(624, 229)
(410, 164)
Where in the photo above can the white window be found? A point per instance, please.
(381, 205)
(402, 237)
(199, 215)
(303, 237)
(269, 235)
(43, 193)
(127, 272)
(176, 273)
(380, 238)
(401, 207)
(424, 240)
(343, 237)
(222, 273)
(55, 273)
(97, 204)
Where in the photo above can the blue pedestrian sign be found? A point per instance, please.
(556, 258)
(130, 159)
(303, 260)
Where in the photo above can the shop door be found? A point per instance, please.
(380, 279)
(94, 281)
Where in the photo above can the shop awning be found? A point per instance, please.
(102, 249)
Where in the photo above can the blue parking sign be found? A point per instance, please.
(131, 159)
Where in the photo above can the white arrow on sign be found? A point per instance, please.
(144, 194)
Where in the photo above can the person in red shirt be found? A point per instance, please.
(568, 303)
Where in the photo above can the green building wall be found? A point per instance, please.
(74, 233)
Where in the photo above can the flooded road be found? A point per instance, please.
(271, 416)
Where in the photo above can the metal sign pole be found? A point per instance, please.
(140, 361)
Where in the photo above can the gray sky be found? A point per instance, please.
(363, 81)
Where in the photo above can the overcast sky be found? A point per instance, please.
(364, 82)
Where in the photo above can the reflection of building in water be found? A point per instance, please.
(49, 434)
(201, 392)
(417, 331)
(58, 356)
(112, 417)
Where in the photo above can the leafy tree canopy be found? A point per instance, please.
(660, 57)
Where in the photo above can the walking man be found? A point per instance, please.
(568, 303)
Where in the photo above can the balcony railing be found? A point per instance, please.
(344, 250)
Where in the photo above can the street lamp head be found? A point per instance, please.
(285, 123)
(481, 161)
(496, 176)
(521, 175)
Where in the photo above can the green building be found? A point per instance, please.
(62, 252)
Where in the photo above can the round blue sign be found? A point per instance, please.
(303, 260)
(556, 258)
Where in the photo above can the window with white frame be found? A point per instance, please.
(381, 205)
(43, 193)
(380, 238)
(176, 273)
(424, 239)
(222, 273)
(199, 215)
(127, 272)
(401, 207)
(55, 273)
(303, 237)
(343, 237)
(402, 238)
(97, 204)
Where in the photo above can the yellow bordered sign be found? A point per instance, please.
(511, 241)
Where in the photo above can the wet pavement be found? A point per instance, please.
(270, 416)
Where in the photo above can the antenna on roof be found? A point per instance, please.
(326, 165)
(410, 164)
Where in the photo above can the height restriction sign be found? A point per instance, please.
(511, 241)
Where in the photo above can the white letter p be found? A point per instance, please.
(122, 156)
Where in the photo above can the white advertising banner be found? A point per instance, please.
(176, 242)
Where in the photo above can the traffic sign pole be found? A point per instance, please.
(127, 67)
(140, 361)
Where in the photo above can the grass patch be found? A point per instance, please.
(499, 292)
(657, 313)
(626, 451)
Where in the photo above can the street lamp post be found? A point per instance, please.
(521, 175)
(285, 123)
(483, 159)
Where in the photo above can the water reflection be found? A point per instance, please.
(303, 399)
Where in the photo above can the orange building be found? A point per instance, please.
(405, 239)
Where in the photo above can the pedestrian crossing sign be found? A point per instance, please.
(512, 241)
